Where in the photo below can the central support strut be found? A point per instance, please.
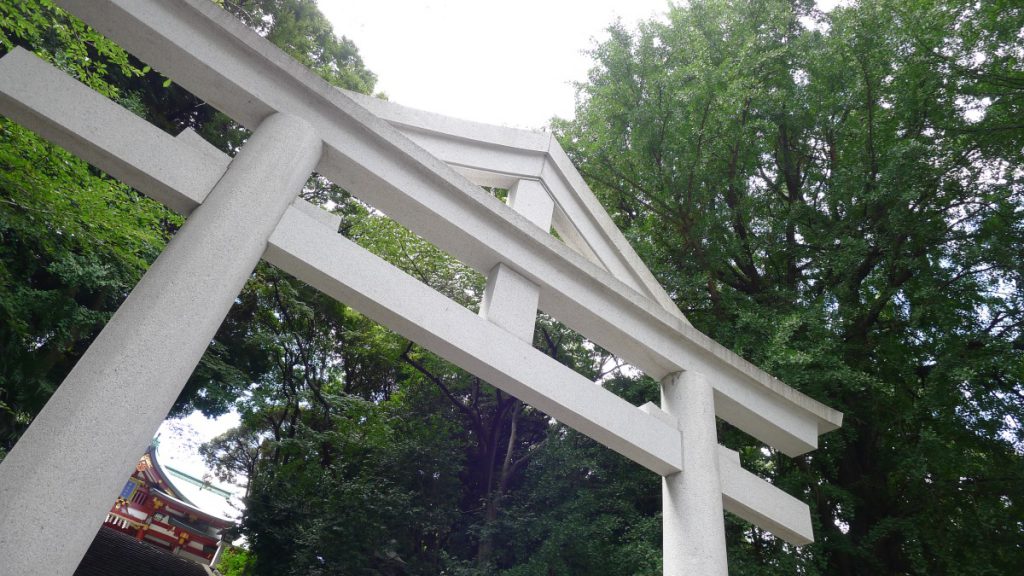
(694, 532)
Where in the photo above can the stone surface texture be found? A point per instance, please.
(693, 534)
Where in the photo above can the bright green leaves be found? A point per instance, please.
(300, 29)
(72, 244)
(65, 41)
(418, 258)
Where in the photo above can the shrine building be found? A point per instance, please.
(152, 521)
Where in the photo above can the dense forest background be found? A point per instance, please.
(837, 197)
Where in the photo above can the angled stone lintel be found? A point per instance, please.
(245, 76)
(497, 156)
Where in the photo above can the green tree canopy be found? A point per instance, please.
(838, 197)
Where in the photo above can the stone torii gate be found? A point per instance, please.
(423, 170)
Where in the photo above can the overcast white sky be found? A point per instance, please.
(494, 61)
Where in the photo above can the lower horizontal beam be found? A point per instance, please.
(751, 497)
(755, 500)
(342, 269)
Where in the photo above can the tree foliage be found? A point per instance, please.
(72, 241)
(836, 197)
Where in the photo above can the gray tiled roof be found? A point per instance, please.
(114, 553)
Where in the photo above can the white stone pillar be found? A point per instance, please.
(693, 539)
(62, 476)
(510, 300)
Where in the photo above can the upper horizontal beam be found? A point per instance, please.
(307, 245)
(209, 52)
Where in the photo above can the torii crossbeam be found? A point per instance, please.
(424, 170)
